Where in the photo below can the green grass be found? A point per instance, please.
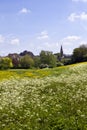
(48, 99)
(31, 73)
(25, 73)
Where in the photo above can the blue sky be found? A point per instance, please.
(36, 25)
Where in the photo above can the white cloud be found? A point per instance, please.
(71, 38)
(49, 46)
(82, 16)
(15, 41)
(80, 0)
(67, 50)
(1, 39)
(70, 41)
(43, 35)
(24, 11)
(73, 17)
(83, 42)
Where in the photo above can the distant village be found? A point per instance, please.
(46, 59)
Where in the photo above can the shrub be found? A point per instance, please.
(5, 63)
(67, 61)
(48, 58)
(26, 62)
(36, 62)
(59, 64)
(44, 66)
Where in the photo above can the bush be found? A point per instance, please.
(26, 62)
(48, 58)
(59, 64)
(44, 66)
(67, 61)
(5, 63)
(36, 62)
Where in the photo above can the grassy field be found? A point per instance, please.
(30, 73)
(48, 99)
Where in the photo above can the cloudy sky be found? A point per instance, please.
(36, 25)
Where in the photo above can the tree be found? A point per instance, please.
(52, 60)
(26, 62)
(27, 53)
(5, 63)
(43, 57)
(79, 54)
(47, 59)
(36, 62)
(15, 59)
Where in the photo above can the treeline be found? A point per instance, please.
(46, 59)
(26, 60)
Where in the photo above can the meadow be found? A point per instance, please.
(47, 99)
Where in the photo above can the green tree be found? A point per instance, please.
(47, 58)
(15, 60)
(79, 54)
(52, 60)
(26, 62)
(36, 62)
(5, 63)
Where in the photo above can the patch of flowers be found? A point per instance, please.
(48, 103)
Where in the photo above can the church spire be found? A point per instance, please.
(61, 51)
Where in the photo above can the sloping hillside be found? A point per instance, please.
(52, 99)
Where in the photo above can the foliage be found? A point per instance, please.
(15, 60)
(66, 61)
(58, 56)
(59, 64)
(27, 53)
(48, 58)
(5, 63)
(36, 62)
(26, 62)
(57, 102)
(44, 66)
(79, 54)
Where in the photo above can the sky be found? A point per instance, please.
(36, 25)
